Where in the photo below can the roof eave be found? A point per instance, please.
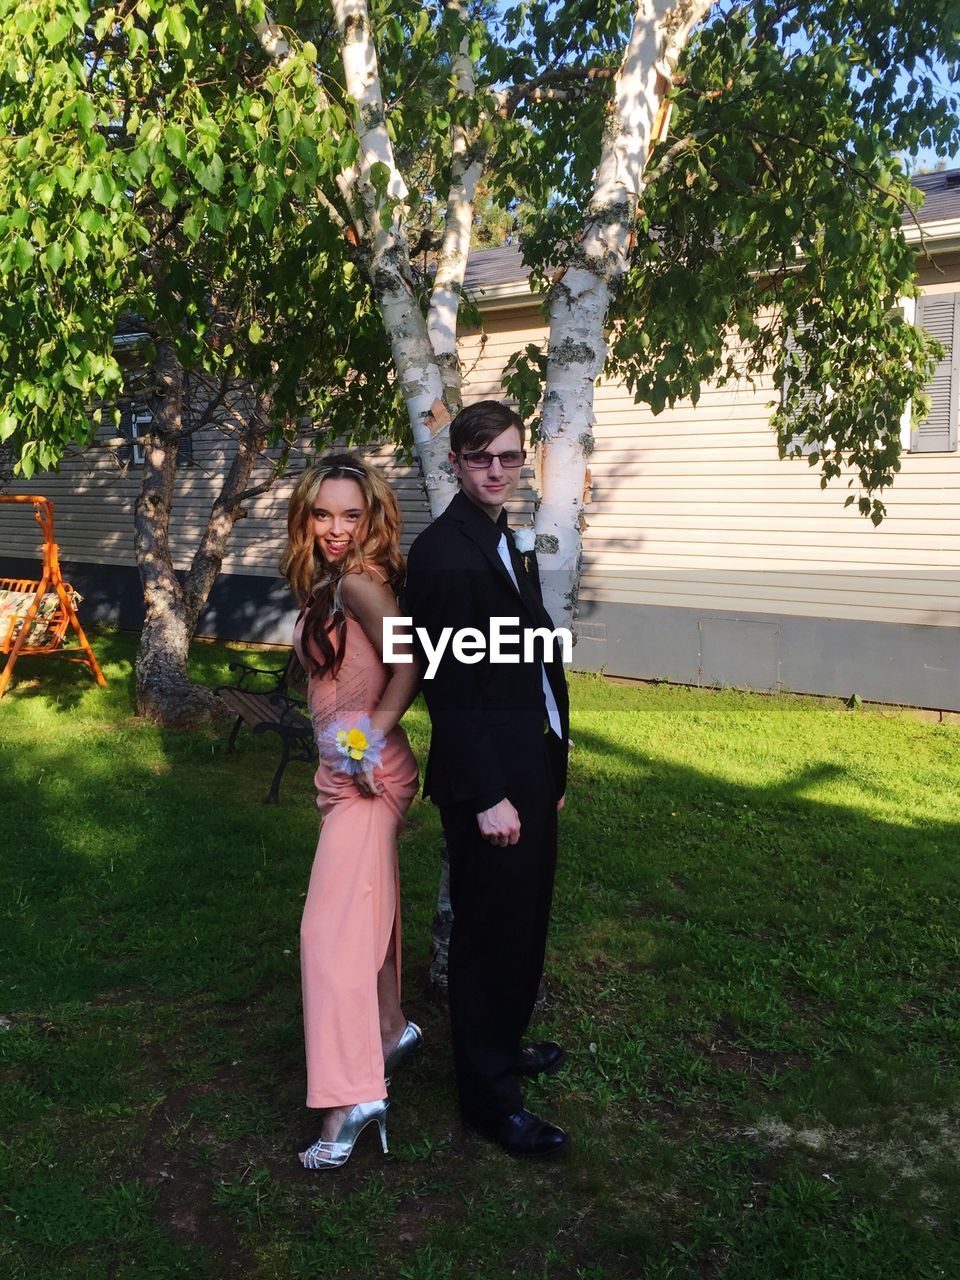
(942, 236)
(494, 297)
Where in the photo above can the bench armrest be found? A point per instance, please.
(247, 672)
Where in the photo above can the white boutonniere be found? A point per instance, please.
(524, 540)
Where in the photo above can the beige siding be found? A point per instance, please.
(691, 508)
(94, 500)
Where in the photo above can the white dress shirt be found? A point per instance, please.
(553, 711)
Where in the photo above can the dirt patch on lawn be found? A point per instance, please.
(184, 1192)
(911, 1147)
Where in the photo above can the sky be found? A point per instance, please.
(929, 159)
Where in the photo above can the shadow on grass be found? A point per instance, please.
(733, 966)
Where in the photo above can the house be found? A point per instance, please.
(707, 559)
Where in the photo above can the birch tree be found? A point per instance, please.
(158, 173)
(695, 170)
(766, 203)
(580, 301)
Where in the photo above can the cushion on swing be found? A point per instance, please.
(16, 604)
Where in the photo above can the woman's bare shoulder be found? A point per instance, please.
(364, 582)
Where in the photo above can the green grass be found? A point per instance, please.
(754, 964)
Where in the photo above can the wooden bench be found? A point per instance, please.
(275, 710)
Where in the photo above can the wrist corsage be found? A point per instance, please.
(352, 747)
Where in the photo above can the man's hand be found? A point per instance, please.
(561, 802)
(501, 824)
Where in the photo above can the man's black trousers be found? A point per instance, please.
(501, 910)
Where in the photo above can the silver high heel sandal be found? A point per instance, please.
(330, 1155)
(407, 1045)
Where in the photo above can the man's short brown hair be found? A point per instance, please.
(477, 424)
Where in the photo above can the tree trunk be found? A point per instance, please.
(388, 258)
(165, 693)
(250, 419)
(442, 924)
(580, 300)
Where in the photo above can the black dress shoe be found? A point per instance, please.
(541, 1059)
(522, 1134)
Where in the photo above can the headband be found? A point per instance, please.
(338, 466)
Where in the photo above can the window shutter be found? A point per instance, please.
(125, 452)
(939, 314)
(807, 398)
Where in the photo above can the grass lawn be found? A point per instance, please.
(755, 965)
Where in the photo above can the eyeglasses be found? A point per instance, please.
(481, 460)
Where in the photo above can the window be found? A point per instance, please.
(939, 314)
(135, 421)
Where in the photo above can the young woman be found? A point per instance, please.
(344, 567)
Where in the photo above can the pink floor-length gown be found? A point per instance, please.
(353, 902)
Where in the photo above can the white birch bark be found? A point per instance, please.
(466, 170)
(580, 300)
(389, 267)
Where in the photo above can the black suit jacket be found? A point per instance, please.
(487, 718)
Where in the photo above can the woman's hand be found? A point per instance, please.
(367, 784)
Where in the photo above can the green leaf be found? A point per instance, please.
(380, 178)
(255, 333)
(102, 189)
(8, 425)
(348, 150)
(23, 253)
(193, 224)
(210, 176)
(85, 112)
(54, 257)
(138, 165)
(216, 217)
(57, 29)
(177, 27)
(175, 140)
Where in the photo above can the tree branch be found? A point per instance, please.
(277, 469)
(850, 167)
(272, 40)
(585, 80)
(670, 156)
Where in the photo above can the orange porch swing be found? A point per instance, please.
(36, 615)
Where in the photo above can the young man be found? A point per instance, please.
(497, 771)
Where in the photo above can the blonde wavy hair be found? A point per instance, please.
(312, 580)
